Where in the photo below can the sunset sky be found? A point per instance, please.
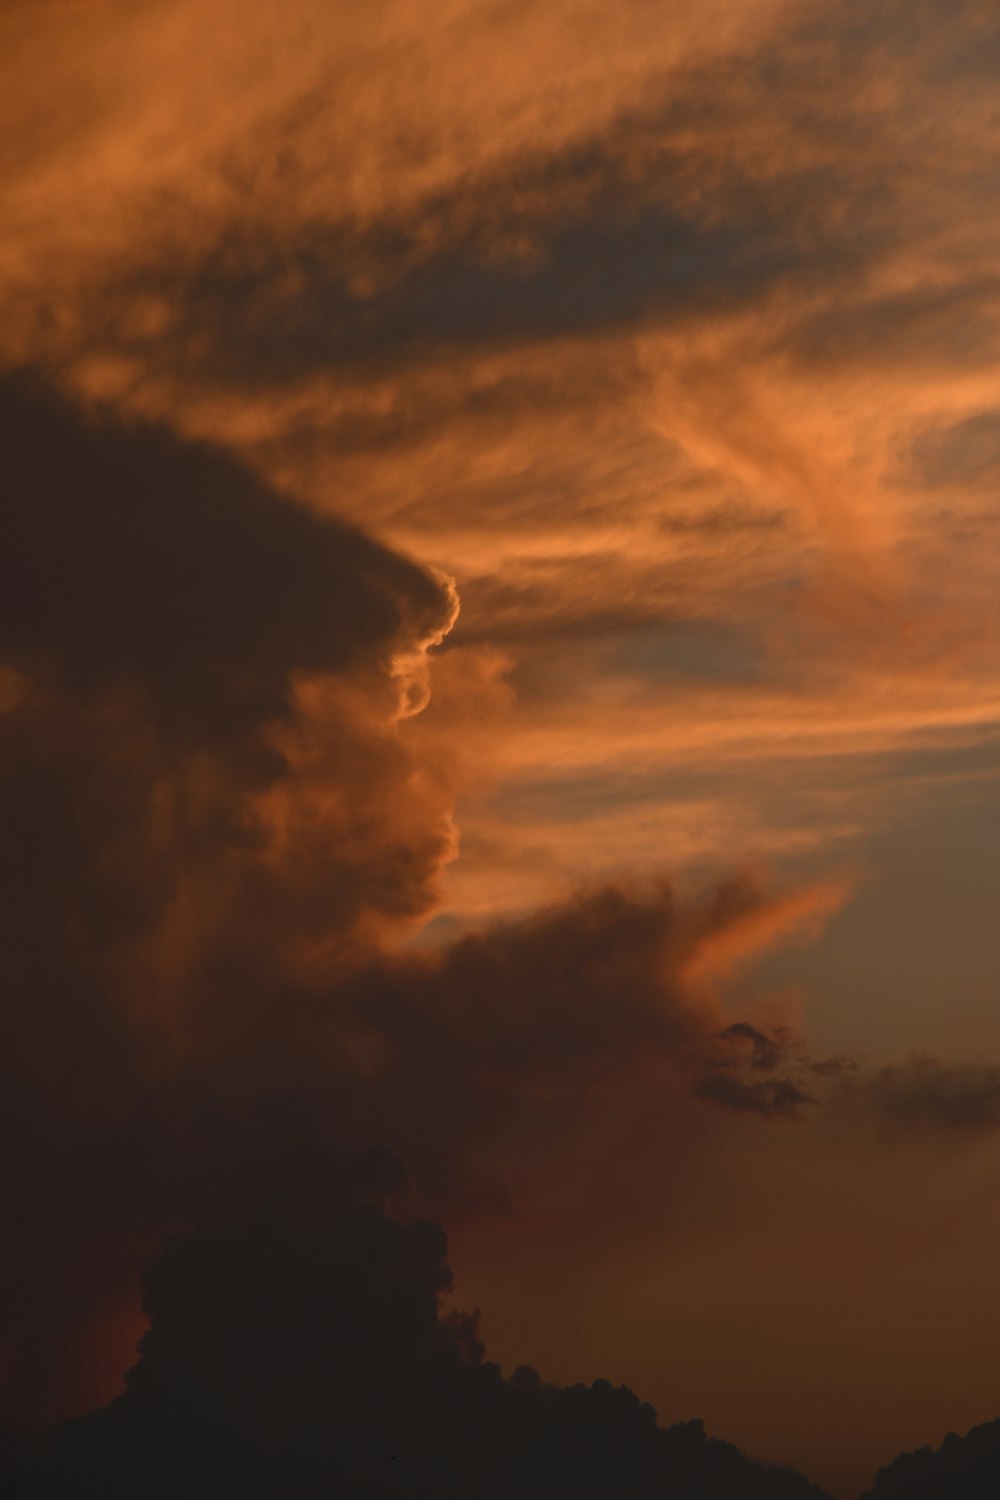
(500, 659)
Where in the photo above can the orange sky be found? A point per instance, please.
(665, 337)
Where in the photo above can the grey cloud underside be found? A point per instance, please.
(613, 234)
(928, 1095)
(782, 179)
(621, 269)
(732, 181)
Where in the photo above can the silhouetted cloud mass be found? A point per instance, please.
(297, 1347)
(963, 1468)
(212, 824)
(172, 634)
(209, 823)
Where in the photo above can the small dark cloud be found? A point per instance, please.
(927, 1094)
(158, 608)
(766, 1052)
(770, 1098)
(747, 1051)
(835, 1067)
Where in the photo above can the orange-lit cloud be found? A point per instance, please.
(662, 340)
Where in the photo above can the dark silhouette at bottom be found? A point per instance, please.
(296, 1348)
(961, 1469)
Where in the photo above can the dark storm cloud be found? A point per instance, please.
(165, 896)
(135, 563)
(296, 1346)
(199, 861)
(166, 1017)
(157, 606)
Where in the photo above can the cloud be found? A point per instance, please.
(958, 454)
(508, 1035)
(928, 1094)
(672, 187)
(525, 335)
(297, 1341)
(215, 820)
(774, 1099)
(204, 864)
(596, 247)
(202, 739)
(326, 127)
(133, 562)
(633, 356)
(963, 1468)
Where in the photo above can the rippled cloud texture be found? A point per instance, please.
(499, 659)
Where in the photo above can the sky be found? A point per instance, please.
(499, 652)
